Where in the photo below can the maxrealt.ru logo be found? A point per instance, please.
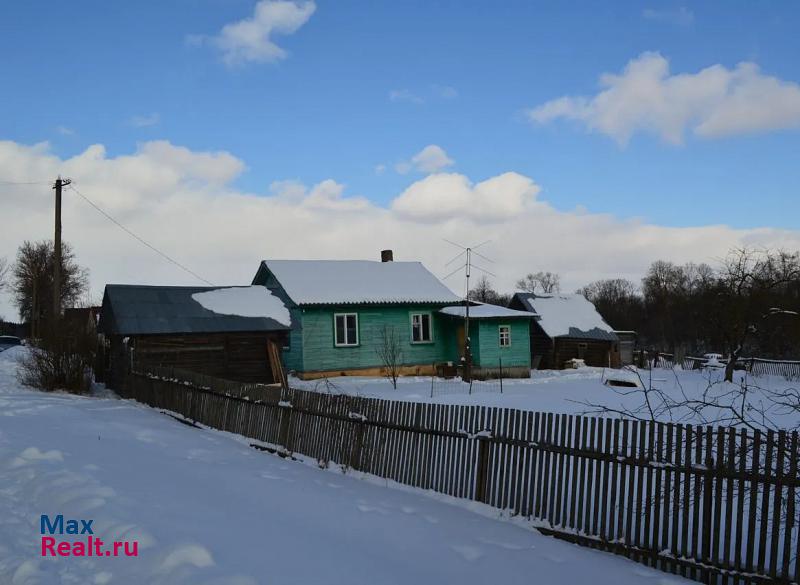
(88, 546)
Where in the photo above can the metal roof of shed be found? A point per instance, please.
(158, 310)
(567, 315)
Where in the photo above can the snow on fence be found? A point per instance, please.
(716, 505)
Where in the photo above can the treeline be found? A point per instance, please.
(746, 304)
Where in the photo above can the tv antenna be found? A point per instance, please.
(467, 252)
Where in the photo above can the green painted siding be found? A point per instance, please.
(486, 347)
(320, 352)
(293, 356)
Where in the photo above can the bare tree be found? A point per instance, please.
(32, 284)
(3, 272)
(540, 282)
(750, 282)
(484, 292)
(390, 352)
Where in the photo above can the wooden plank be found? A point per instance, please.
(719, 469)
(788, 529)
(605, 473)
(752, 536)
(560, 480)
(630, 525)
(657, 496)
(574, 466)
(597, 478)
(776, 506)
(764, 525)
(667, 525)
(612, 513)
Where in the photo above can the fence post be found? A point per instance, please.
(433, 376)
(283, 425)
(482, 471)
(500, 361)
(355, 452)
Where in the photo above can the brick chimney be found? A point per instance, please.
(387, 256)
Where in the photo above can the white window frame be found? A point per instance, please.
(336, 341)
(500, 335)
(430, 326)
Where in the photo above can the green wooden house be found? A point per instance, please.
(344, 311)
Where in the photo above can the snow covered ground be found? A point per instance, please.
(582, 391)
(205, 508)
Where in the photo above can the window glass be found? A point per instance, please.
(420, 327)
(346, 329)
(505, 335)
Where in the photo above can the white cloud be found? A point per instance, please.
(450, 196)
(144, 121)
(405, 95)
(680, 16)
(250, 40)
(713, 102)
(65, 131)
(430, 159)
(380, 169)
(445, 92)
(183, 202)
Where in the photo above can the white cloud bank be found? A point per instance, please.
(250, 40)
(711, 103)
(183, 202)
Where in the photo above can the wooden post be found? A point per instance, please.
(500, 362)
(482, 471)
(57, 256)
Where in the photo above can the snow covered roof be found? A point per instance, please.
(245, 301)
(338, 282)
(563, 315)
(158, 310)
(487, 311)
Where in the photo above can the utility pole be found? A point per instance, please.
(57, 255)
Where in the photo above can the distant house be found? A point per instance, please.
(567, 327)
(220, 331)
(343, 310)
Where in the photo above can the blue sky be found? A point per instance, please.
(463, 73)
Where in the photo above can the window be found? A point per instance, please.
(421, 328)
(346, 329)
(505, 335)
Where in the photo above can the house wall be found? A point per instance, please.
(595, 353)
(518, 354)
(233, 356)
(320, 354)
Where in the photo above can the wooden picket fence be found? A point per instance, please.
(717, 505)
(789, 369)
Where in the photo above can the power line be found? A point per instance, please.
(26, 182)
(130, 233)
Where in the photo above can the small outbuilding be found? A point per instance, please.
(567, 327)
(228, 332)
(499, 339)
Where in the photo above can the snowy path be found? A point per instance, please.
(207, 509)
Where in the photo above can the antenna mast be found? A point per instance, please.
(468, 251)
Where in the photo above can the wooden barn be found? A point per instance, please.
(229, 332)
(567, 327)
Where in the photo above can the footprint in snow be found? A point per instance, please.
(432, 519)
(467, 552)
(408, 509)
(367, 508)
(505, 545)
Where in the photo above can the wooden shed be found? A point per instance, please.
(567, 327)
(240, 339)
